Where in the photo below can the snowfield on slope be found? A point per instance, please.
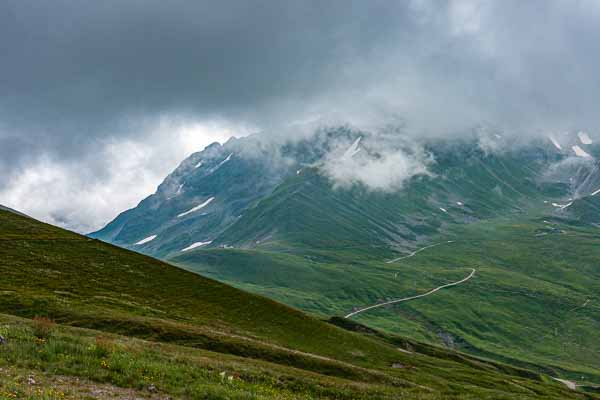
(146, 240)
(580, 152)
(353, 150)
(555, 143)
(562, 206)
(198, 207)
(221, 163)
(197, 244)
(584, 138)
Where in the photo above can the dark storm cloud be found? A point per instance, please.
(73, 72)
(68, 62)
(78, 69)
(77, 76)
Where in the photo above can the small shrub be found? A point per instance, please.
(42, 328)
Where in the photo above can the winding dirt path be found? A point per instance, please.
(418, 251)
(432, 291)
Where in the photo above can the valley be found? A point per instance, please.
(80, 317)
(497, 314)
(487, 254)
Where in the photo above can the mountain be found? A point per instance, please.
(152, 329)
(246, 193)
(511, 211)
(196, 202)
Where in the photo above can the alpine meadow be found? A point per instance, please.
(303, 200)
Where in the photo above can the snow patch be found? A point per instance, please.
(352, 150)
(555, 143)
(221, 163)
(584, 138)
(177, 192)
(198, 207)
(197, 244)
(148, 239)
(562, 206)
(580, 152)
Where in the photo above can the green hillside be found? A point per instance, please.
(466, 185)
(525, 304)
(151, 327)
(324, 250)
(586, 209)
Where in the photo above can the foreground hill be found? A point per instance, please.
(203, 339)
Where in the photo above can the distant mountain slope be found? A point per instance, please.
(205, 194)
(82, 282)
(246, 193)
(586, 209)
(11, 210)
(467, 185)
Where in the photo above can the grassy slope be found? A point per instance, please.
(524, 304)
(586, 209)
(322, 250)
(526, 301)
(205, 327)
(305, 212)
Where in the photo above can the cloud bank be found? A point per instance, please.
(78, 79)
(381, 161)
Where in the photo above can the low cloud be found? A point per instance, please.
(380, 161)
(84, 193)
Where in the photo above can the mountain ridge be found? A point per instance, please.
(243, 172)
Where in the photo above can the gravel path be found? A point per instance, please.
(432, 291)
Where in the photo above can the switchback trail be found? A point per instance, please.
(412, 297)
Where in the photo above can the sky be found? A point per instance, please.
(99, 101)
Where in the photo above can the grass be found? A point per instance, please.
(149, 323)
(116, 362)
(524, 305)
(148, 367)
